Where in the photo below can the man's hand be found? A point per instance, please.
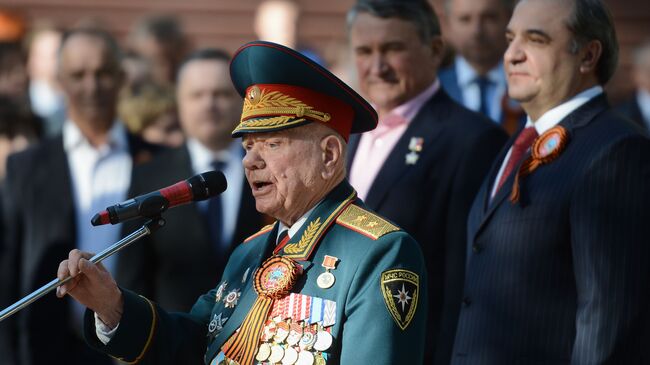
(92, 286)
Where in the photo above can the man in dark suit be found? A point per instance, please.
(476, 78)
(637, 108)
(50, 194)
(425, 161)
(185, 259)
(557, 268)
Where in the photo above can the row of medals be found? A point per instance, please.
(288, 343)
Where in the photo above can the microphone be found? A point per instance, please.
(196, 188)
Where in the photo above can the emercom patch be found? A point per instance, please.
(400, 289)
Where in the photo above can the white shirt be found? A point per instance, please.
(471, 92)
(100, 177)
(550, 119)
(643, 99)
(202, 159)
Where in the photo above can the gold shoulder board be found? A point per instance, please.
(260, 232)
(365, 222)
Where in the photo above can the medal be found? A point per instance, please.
(307, 340)
(216, 324)
(282, 332)
(290, 356)
(232, 298)
(220, 290)
(305, 358)
(264, 352)
(268, 332)
(277, 353)
(415, 147)
(327, 279)
(294, 334)
(323, 341)
(319, 360)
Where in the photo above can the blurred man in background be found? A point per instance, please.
(51, 192)
(177, 265)
(161, 41)
(476, 78)
(424, 163)
(637, 108)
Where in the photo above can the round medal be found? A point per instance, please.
(264, 352)
(307, 340)
(275, 277)
(305, 358)
(281, 332)
(277, 353)
(269, 331)
(325, 280)
(290, 356)
(323, 341)
(294, 334)
(550, 144)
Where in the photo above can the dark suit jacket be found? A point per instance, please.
(431, 199)
(179, 263)
(562, 277)
(40, 230)
(630, 109)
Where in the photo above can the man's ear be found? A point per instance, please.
(591, 54)
(332, 154)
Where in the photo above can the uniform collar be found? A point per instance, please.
(319, 219)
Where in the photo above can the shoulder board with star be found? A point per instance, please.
(363, 221)
(264, 229)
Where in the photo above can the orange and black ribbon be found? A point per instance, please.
(273, 280)
(546, 148)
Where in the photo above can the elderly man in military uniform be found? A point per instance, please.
(328, 283)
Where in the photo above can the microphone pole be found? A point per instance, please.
(148, 228)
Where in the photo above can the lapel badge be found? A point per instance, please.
(545, 149)
(326, 280)
(232, 298)
(415, 147)
(220, 291)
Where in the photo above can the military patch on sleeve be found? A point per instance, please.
(400, 289)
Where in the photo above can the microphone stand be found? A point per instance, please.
(148, 228)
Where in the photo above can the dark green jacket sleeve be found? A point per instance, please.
(371, 334)
(147, 334)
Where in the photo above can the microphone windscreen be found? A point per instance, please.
(207, 185)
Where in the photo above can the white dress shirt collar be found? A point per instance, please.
(296, 226)
(554, 116)
(73, 138)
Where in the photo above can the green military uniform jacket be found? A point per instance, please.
(380, 311)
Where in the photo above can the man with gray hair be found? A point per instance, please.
(51, 192)
(637, 108)
(424, 163)
(558, 268)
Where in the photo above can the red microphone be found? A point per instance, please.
(196, 188)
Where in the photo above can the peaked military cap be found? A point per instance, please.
(284, 89)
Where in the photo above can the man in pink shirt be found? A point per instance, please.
(425, 161)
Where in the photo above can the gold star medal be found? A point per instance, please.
(327, 279)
